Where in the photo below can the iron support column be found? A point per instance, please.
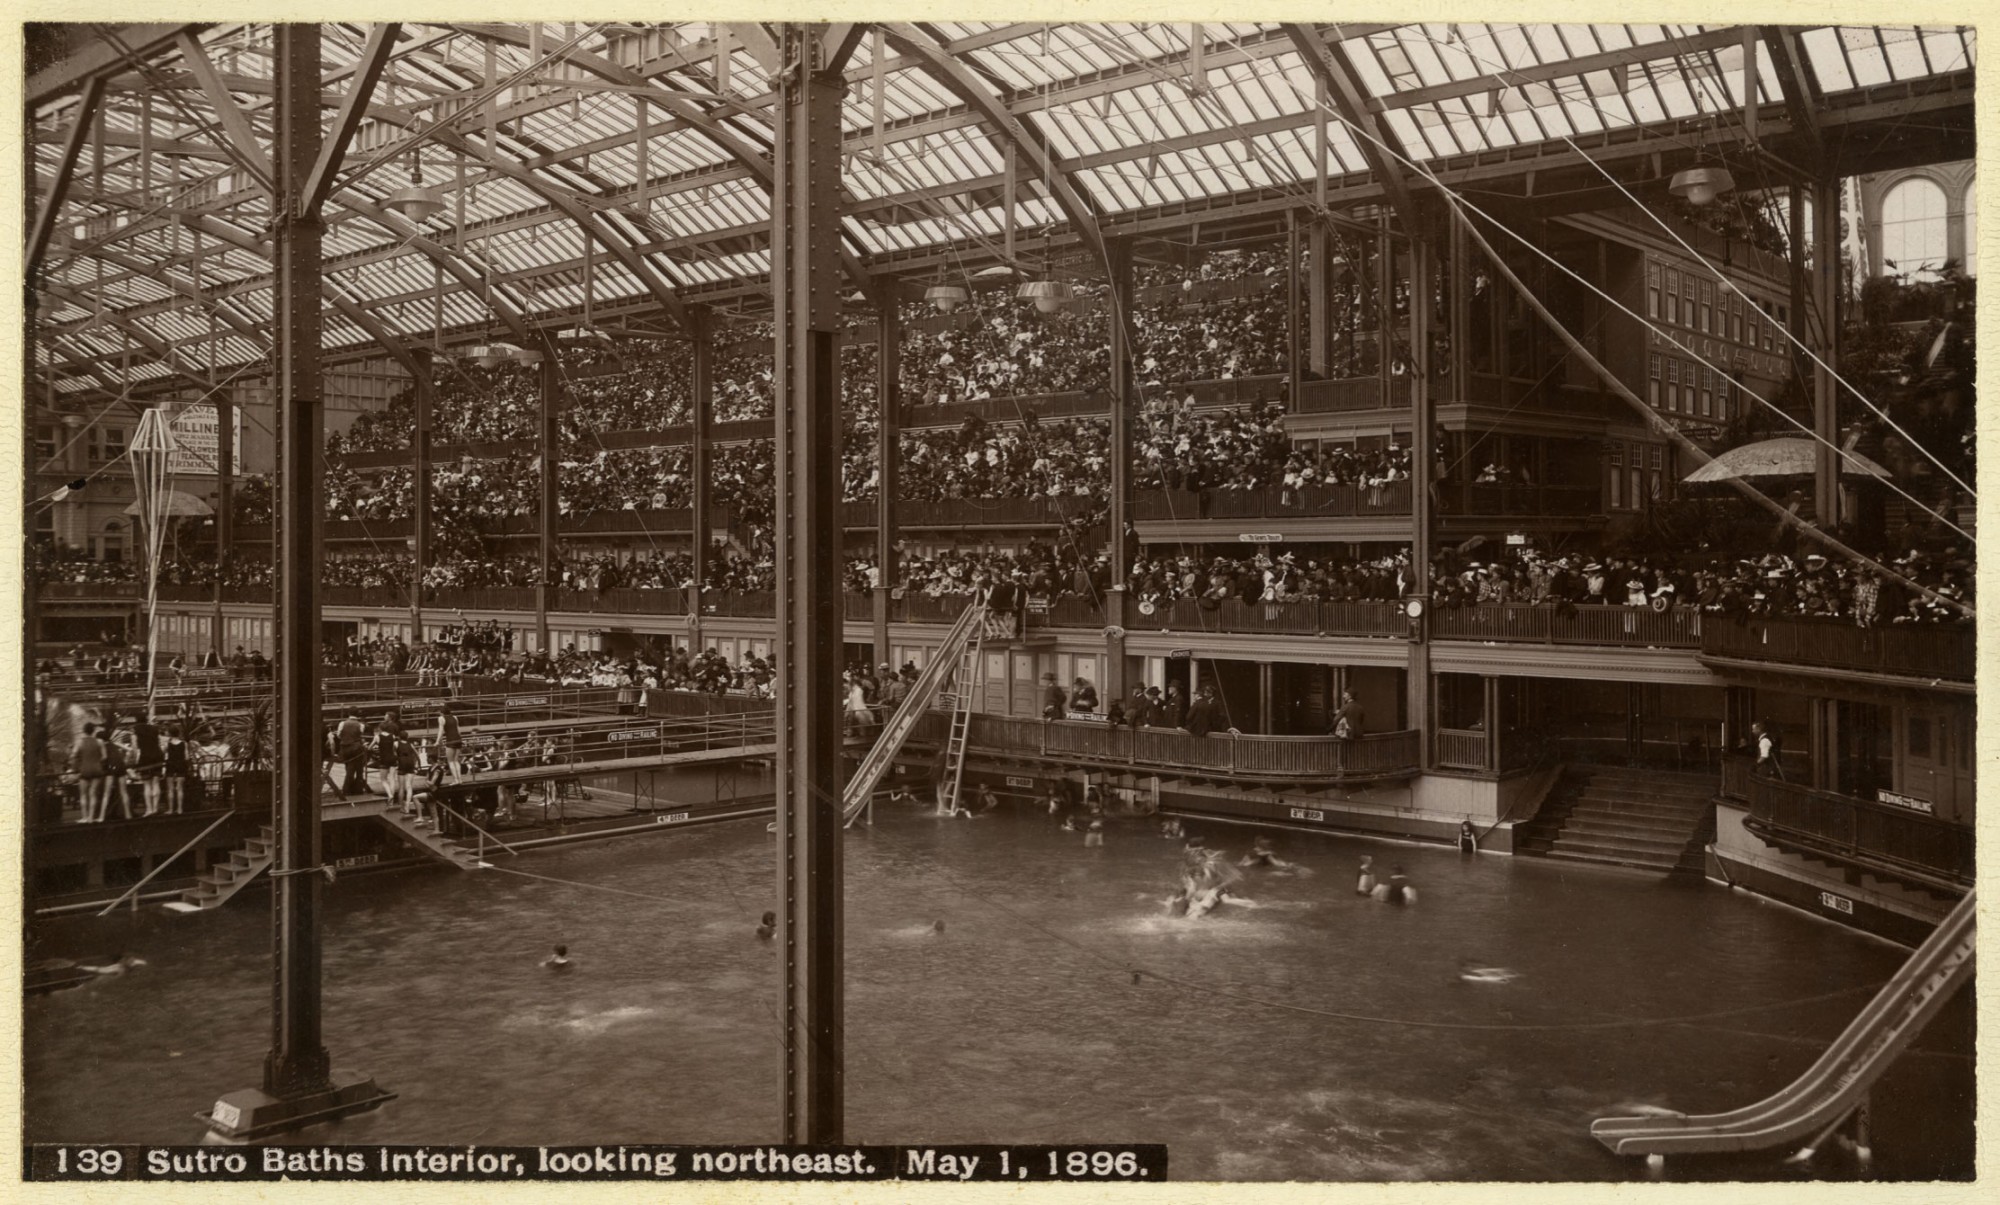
(548, 513)
(805, 289)
(888, 440)
(1119, 254)
(702, 388)
(1319, 296)
(297, 1064)
(1294, 358)
(225, 502)
(1826, 397)
(1423, 459)
(420, 506)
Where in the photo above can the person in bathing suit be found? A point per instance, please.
(558, 961)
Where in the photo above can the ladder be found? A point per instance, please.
(959, 694)
(957, 656)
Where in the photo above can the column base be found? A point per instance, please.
(252, 1113)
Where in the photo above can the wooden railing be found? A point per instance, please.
(1249, 756)
(1459, 749)
(1293, 618)
(1269, 502)
(1876, 836)
(104, 590)
(1543, 623)
(1353, 393)
(1472, 498)
(972, 512)
(1931, 650)
(623, 600)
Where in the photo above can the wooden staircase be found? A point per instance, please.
(431, 841)
(1656, 820)
(218, 883)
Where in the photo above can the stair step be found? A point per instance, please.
(1676, 837)
(1612, 859)
(1609, 807)
(1620, 851)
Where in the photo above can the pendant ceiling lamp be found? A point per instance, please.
(415, 202)
(946, 298)
(1701, 185)
(1048, 295)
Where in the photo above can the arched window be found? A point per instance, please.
(1913, 228)
(1972, 229)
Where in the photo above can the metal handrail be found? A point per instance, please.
(133, 890)
(443, 806)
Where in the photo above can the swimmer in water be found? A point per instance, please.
(1468, 837)
(1068, 825)
(1473, 972)
(1397, 890)
(1171, 828)
(558, 961)
(1177, 903)
(1261, 855)
(768, 927)
(118, 965)
(1365, 885)
(937, 926)
(1095, 837)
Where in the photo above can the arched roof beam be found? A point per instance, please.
(661, 290)
(1329, 66)
(140, 335)
(454, 264)
(1802, 93)
(758, 159)
(937, 63)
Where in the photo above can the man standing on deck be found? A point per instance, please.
(1349, 719)
(351, 750)
(452, 741)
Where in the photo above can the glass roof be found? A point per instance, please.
(590, 167)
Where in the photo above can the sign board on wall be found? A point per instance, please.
(1260, 537)
(195, 443)
(1903, 801)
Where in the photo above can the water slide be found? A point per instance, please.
(1811, 1106)
(947, 666)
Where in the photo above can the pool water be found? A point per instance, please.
(1314, 1036)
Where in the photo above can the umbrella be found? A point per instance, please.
(178, 505)
(1789, 456)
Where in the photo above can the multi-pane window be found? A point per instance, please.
(1913, 228)
(1652, 290)
(1673, 297)
(1653, 380)
(1707, 323)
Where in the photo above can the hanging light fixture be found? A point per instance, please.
(416, 202)
(1700, 185)
(1048, 295)
(946, 298)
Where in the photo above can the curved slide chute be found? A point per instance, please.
(1837, 1084)
(951, 674)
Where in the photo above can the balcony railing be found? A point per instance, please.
(623, 600)
(1269, 502)
(1543, 623)
(92, 590)
(1522, 501)
(740, 604)
(1460, 749)
(1907, 650)
(1898, 841)
(1269, 758)
(1292, 618)
(1354, 393)
(482, 598)
(973, 512)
